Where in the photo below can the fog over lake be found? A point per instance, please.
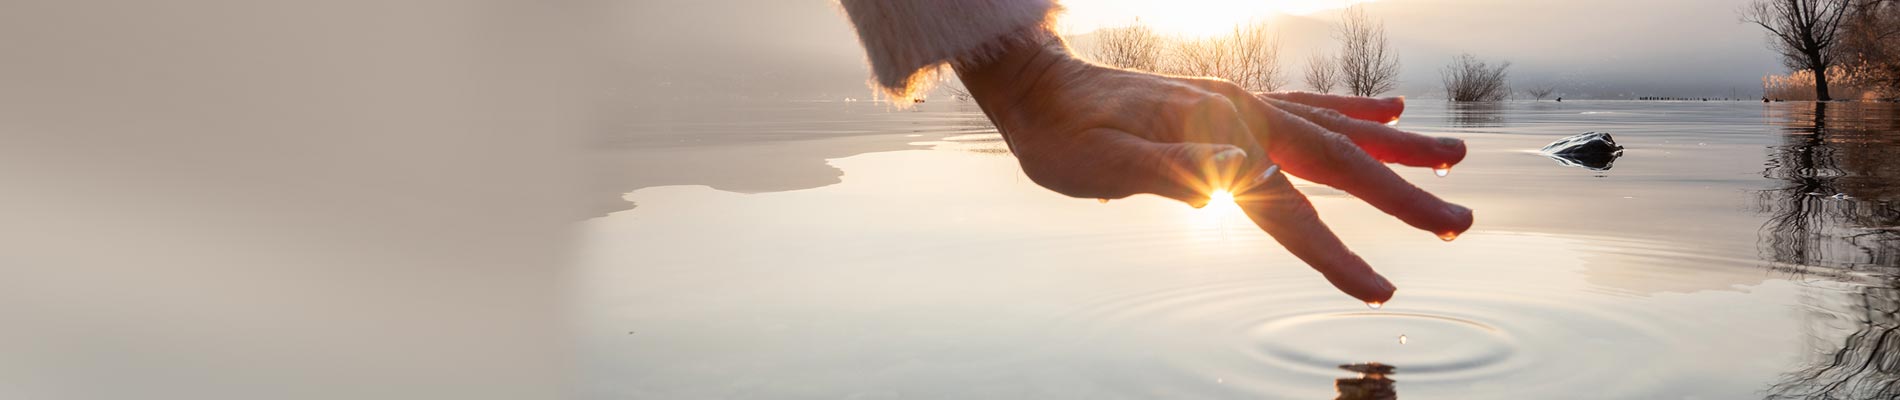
(1588, 49)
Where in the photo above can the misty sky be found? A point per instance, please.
(678, 50)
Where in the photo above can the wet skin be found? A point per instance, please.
(1092, 131)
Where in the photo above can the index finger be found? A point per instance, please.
(1380, 141)
(1381, 110)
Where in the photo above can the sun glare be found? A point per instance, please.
(1186, 17)
(1221, 198)
(1219, 215)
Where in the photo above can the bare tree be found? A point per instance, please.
(1199, 57)
(1322, 73)
(1870, 47)
(1134, 47)
(1804, 32)
(1471, 79)
(1256, 55)
(1250, 57)
(1540, 92)
(955, 87)
(1368, 65)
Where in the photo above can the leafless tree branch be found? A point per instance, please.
(1368, 65)
(1805, 32)
(1471, 79)
(1322, 72)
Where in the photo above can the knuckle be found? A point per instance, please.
(1224, 86)
(1215, 103)
(1328, 114)
(1342, 151)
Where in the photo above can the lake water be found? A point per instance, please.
(850, 250)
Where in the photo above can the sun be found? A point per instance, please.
(1221, 198)
(1221, 214)
(1186, 17)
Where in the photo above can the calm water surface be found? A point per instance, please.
(846, 250)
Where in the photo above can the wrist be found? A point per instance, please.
(1005, 69)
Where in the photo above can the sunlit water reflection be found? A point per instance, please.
(1714, 260)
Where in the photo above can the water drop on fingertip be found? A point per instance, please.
(1442, 170)
(1103, 201)
(1448, 236)
(1375, 304)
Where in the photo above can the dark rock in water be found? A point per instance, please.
(1594, 150)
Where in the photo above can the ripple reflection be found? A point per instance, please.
(1281, 334)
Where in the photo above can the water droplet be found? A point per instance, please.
(1448, 236)
(1402, 339)
(1442, 170)
(1375, 304)
(1103, 201)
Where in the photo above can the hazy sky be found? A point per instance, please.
(762, 49)
(1191, 17)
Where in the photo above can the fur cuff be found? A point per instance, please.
(907, 40)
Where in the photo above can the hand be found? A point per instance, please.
(1091, 131)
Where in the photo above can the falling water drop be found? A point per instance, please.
(1375, 304)
(1442, 170)
(1103, 201)
(1402, 339)
(1448, 236)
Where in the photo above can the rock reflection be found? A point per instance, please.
(1833, 216)
(1371, 384)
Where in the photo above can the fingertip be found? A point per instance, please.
(1464, 218)
(1230, 158)
(1369, 287)
(1459, 219)
(1383, 294)
(1453, 149)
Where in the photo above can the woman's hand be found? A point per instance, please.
(1091, 131)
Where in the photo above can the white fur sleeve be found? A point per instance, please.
(906, 40)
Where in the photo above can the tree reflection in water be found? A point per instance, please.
(1371, 384)
(1833, 216)
(1476, 114)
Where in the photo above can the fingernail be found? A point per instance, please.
(1461, 219)
(1270, 172)
(1229, 158)
(1459, 213)
(1384, 287)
